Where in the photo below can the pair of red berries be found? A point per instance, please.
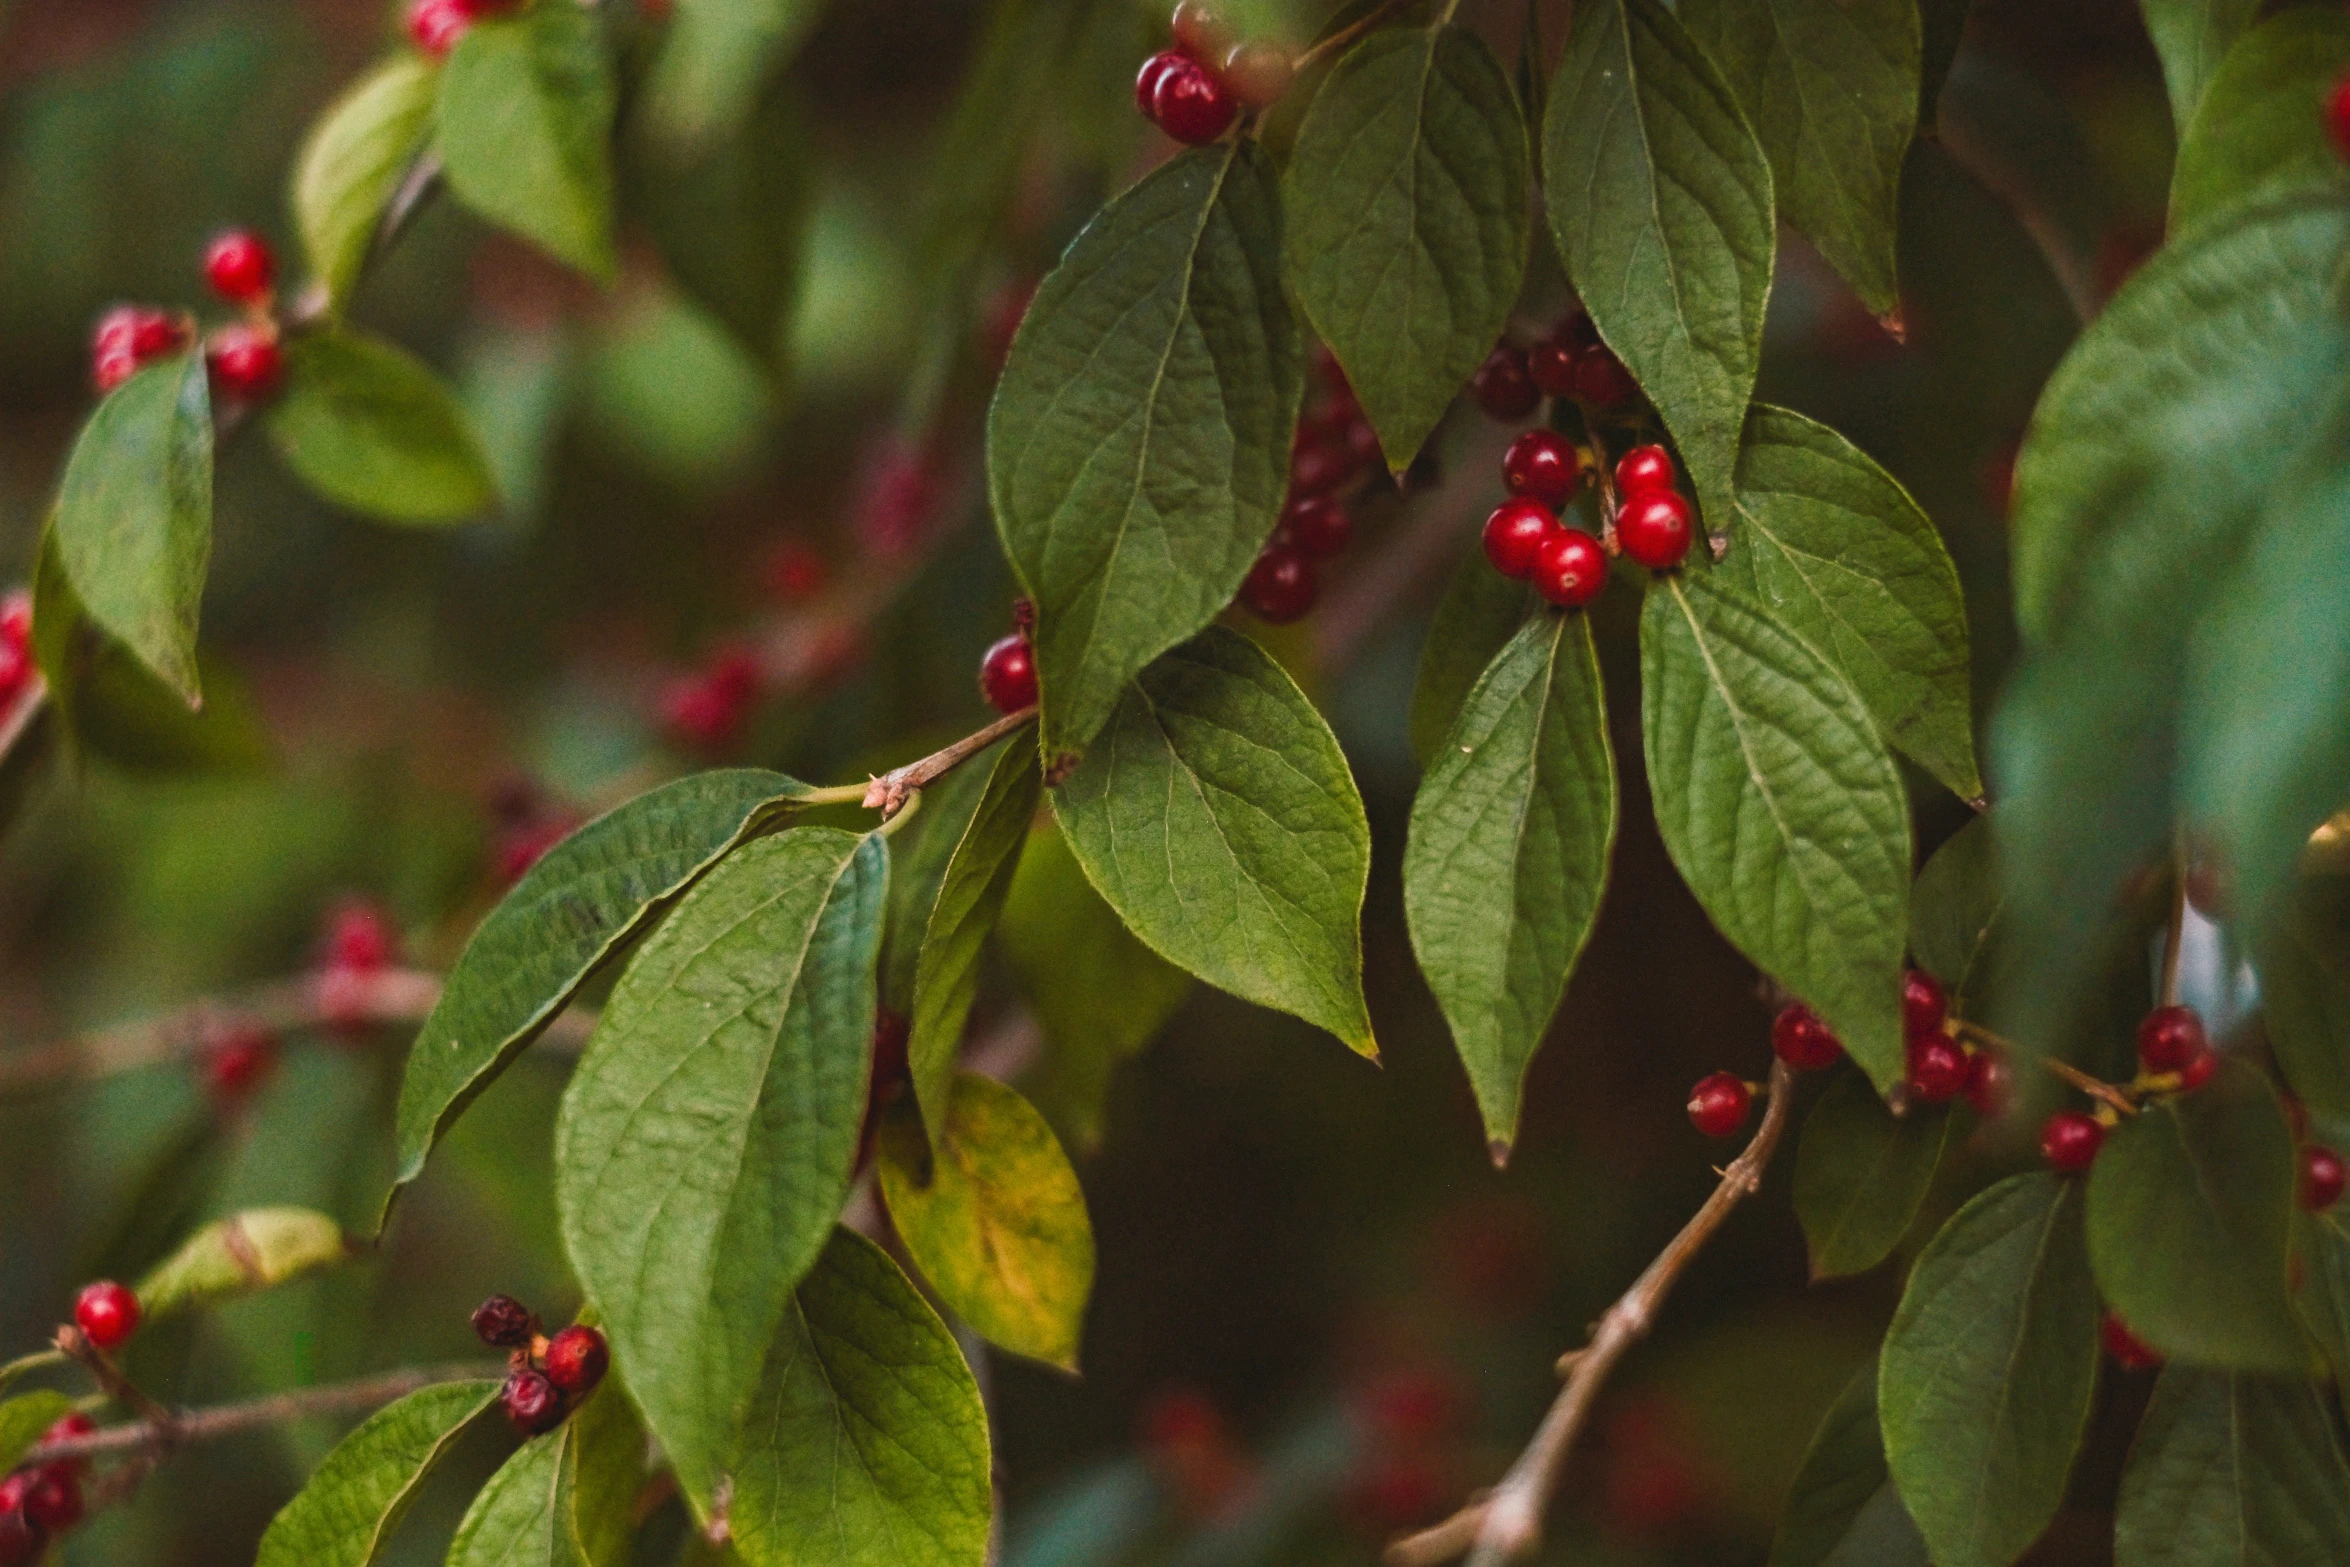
(434, 26)
(705, 709)
(1571, 362)
(43, 1499)
(548, 1376)
(1196, 89)
(1940, 1069)
(2171, 1039)
(242, 358)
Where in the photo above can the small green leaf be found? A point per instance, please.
(1956, 929)
(134, 516)
(704, 1145)
(565, 1499)
(1479, 613)
(2000, 1302)
(1837, 550)
(25, 1419)
(1843, 1510)
(353, 160)
(2193, 37)
(715, 59)
(366, 425)
(2190, 1204)
(258, 1249)
(1405, 200)
(1831, 87)
(1862, 1173)
(525, 130)
(1508, 855)
(347, 1512)
(1217, 816)
(516, 1519)
(2230, 1470)
(995, 1219)
(2303, 957)
(867, 1440)
(569, 912)
(970, 896)
(1779, 806)
(1138, 445)
(2258, 124)
(1660, 199)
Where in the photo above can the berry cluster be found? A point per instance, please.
(42, 1500)
(1007, 671)
(705, 710)
(1570, 363)
(434, 26)
(243, 357)
(1194, 90)
(546, 1378)
(1333, 447)
(357, 945)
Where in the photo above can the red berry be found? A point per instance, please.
(107, 1313)
(1280, 587)
(2129, 1351)
(359, 937)
(1322, 527)
(238, 1060)
(734, 671)
(1924, 1008)
(1514, 535)
(1259, 72)
(1937, 1069)
(1800, 1039)
(891, 1073)
(2169, 1038)
(1575, 333)
(2322, 1178)
(1146, 81)
(70, 1428)
(1642, 470)
(245, 362)
(1601, 379)
(1414, 1406)
(1318, 467)
(1654, 529)
(2069, 1139)
(127, 338)
(2198, 1071)
(1542, 465)
(899, 491)
(436, 25)
(1007, 674)
(1198, 31)
(21, 1539)
(533, 1403)
(1502, 387)
(1990, 1084)
(53, 1502)
(1192, 104)
(1718, 1104)
(698, 714)
(1362, 444)
(577, 1358)
(239, 267)
(502, 1322)
(2337, 118)
(1551, 367)
(1570, 568)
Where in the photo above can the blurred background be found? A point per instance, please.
(1321, 1314)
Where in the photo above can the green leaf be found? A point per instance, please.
(1405, 200)
(565, 1499)
(2193, 37)
(704, 1146)
(1987, 1371)
(918, 857)
(994, 1218)
(1479, 613)
(525, 131)
(1956, 928)
(2190, 1205)
(246, 1252)
(1780, 807)
(1844, 558)
(970, 896)
(1831, 87)
(1138, 445)
(134, 516)
(2230, 1470)
(2322, 1242)
(2303, 957)
(2257, 126)
(353, 160)
(1217, 816)
(1862, 1173)
(1099, 995)
(1843, 1510)
(366, 425)
(867, 1441)
(1660, 199)
(717, 56)
(569, 912)
(25, 1419)
(1508, 855)
(1943, 26)
(347, 1512)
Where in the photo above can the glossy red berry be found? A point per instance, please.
(1146, 81)
(1321, 526)
(107, 1313)
(1543, 466)
(1570, 568)
(2337, 118)
(1502, 387)
(1924, 1009)
(1644, 470)
(1990, 1084)
(436, 25)
(2129, 1351)
(1800, 1039)
(245, 362)
(1551, 367)
(1718, 1105)
(2198, 1071)
(53, 1501)
(2322, 1178)
(1937, 1069)
(1601, 379)
(239, 266)
(1281, 586)
(577, 1359)
(1654, 529)
(533, 1403)
(1192, 104)
(239, 1059)
(2069, 1139)
(2169, 1038)
(1514, 535)
(502, 1322)
(1007, 674)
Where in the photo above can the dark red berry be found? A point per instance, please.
(1570, 568)
(1007, 674)
(734, 672)
(1718, 1105)
(2198, 1071)
(239, 267)
(1192, 104)
(533, 1403)
(502, 1322)
(1551, 367)
(2169, 1038)
(359, 937)
(69, 1428)
(53, 1502)
(1502, 387)
(698, 714)
(21, 1539)
(2322, 1178)
(436, 25)
(2129, 1351)
(1924, 1008)
(1146, 81)
(2337, 118)
(1575, 333)
(1514, 535)
(1937, 1069)
(1642, 470)
(1654, 529)
(107, 1313)
(1990, 1084)
(238, 1060)
(577, 1358)
(1542, 465)
(1362, 444)
(1800, 1039)
(245, 362)
(1318, 467)
(1601, 379)
(1321, 526)
(2069, 1139)
(1280, 587)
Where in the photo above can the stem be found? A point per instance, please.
(1346, 35)
(888, 793)
(71, 1341)
(225, 1420)
(25, 1365)
(2103, 1093)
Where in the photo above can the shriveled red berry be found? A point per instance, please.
(1259, 72)
(1570, 568)
(2129, 1351)
(1502, 387)
(1924, 1009)
(436, 25)
(1514, 535)
(1601, 379)
(502, 1322)
(533, 1403)
(2069, 1139)
(1937, 1069)
(1551, 367)
(1644, 470)
(577, 1359)
(1800, 1039)
(2337, 118)
(107, 1313)
(2169, 1038)
(1718, 1105)
(239, 1059)
(245, 362)
(2322, 1178)
(53, 1501)
(1321, 526)
(1146, 81)
(1192, 104)
(1542, 465)
(239, 266)
(1281, 586)
(1654, 529)
(1007, 674)
(1990, 1084)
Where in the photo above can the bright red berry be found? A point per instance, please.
(1937, 1069)
(1542, 465)
(2337, 118)
(1551, 367)
(1601, 379)
(1990, 1084)
(1718, 1104)
(107, 1313)
(2069, 1139)
(502, 1322)
(1321, 526)
(1644, 470)
(533, 1403)
(16, 643)
(2169, 1038)
(1924, 1009)
(436, 25)
(1007, 674)
(1800, 1039)
(577, 1358)
(1281, 586)
(1502, 387)
(130, 336)
(1514, 535)
(1654, 529)
(2129, 1351)
(1146, 81)
(239, 267)
(238, 1060)
(245, 362)
(1570, 567)
(1191, 103)
(2322, 1178)
(53, 1502)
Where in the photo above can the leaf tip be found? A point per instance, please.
(1498, 1149)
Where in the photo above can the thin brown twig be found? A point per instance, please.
(888, 793)
(75, 1344)
(146, 1435)
(1506, 1522)
(2102, 1092)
